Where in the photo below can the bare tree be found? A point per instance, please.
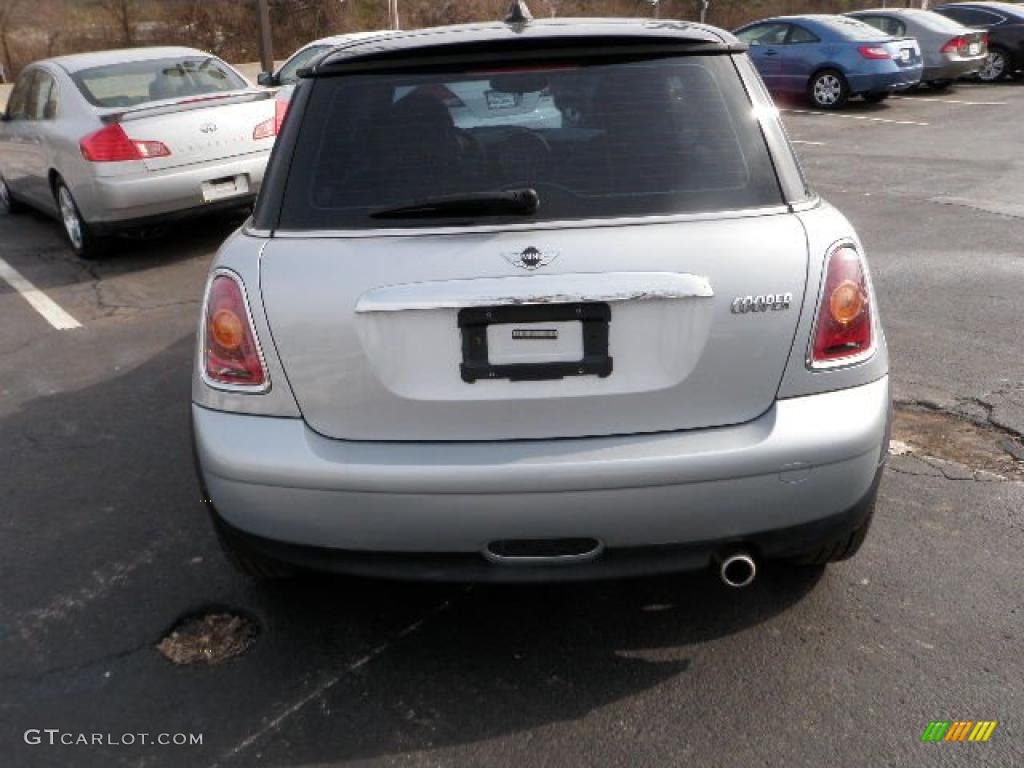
(123, 13)
(7, 10)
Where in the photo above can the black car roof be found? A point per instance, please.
(499, 37)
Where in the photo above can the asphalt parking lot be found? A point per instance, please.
(104, 543)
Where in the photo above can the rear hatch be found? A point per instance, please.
(368, 330)
(201, 129)
(657, 286)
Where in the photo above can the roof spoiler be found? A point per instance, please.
(187, 104)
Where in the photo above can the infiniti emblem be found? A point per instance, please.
(208, 127)
(531, 258)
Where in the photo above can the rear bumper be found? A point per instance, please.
(118, 201)
(885, 81)
(951, 70)
(808, 461)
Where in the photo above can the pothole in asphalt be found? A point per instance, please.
(209, 638)
(937, 434)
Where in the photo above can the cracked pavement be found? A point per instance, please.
(104, 545)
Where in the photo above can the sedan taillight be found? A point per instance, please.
(272, 125)
(954, 45)
(842, 331)
(112, 145)
(231, 353)
(874, 52)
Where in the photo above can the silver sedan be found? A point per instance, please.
(950, 50)
(114, 140)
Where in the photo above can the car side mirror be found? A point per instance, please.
(266, 79)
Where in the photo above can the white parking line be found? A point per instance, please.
(808, 143)
(952, 101)
(40, 302)
(855, 117)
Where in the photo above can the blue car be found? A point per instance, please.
(831, 58)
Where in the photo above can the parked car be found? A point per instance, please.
(287, 75)
(121, 139)
(950, 50)
(630, 341)
(831, 58)
(1004, 23)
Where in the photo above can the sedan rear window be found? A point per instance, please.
(138, 82)
(662, 136)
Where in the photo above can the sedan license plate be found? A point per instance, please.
(499, 100)
(229, 186)
(974, 49)
(905, 54)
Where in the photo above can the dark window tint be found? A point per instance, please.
(138, 82)
(304, 58)
(801, 35)
(19, 96)
(654, 137)
(972, 17)
(764, 34)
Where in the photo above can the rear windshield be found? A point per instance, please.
(138, 82)
(852, 29)
(662, 136)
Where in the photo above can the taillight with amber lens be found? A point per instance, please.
(843, 328)
(231, 353)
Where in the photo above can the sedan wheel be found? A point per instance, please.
(8, 203)
(994, 67)
(85, 244)
(828, 90)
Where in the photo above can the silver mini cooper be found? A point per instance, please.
(539, 300)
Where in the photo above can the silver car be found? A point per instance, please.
(628, 341)
(119, 139)
(950, 50)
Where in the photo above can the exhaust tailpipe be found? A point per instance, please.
(737, 570)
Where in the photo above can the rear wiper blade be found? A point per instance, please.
(521, 202)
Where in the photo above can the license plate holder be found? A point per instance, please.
(594, 317)
(974, 49)
(223, 188)
(498, 100)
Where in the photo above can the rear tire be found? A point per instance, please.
(876, 98)
(828, 89)
(940, 85)
(996, 66)
(7, 202)
(81, 238)
(839, 549)
(249, 563)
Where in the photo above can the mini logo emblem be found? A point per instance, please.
(531, 258)
(208, 127)
(769, 302)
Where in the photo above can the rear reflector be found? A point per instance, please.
(874, 52)
(272, 125)
(231, 354)
(842, 332)
(111, 145)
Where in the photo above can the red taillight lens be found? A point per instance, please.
(112, 145)
(442, 93)
(272, 125)
(231, 355)
(843, 327)
(874, 52)
(954, 45)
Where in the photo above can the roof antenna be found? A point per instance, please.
(518, 13)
